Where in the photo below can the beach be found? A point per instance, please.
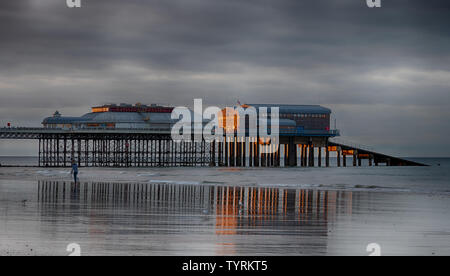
(226, 211)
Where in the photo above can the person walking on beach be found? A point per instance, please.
(74, 171)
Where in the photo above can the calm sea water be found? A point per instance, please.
(19, 160)
(213, 211)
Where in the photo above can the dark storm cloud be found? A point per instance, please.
(393, 60)
(201, 35)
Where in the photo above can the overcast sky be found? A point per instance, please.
(384, 72)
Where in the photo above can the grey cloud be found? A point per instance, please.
(335, 53)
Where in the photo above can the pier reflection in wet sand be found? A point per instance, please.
(200, 219)
(42, 218)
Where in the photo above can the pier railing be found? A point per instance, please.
(351, 144)
(33, 132)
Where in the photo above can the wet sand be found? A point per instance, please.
(41, 215)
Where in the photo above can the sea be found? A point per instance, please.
(201, 211)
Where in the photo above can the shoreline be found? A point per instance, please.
(381, 179)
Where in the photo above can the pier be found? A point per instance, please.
(134, 147)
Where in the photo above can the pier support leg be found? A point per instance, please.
(212, 163)
(72, 155)
(244, 152)
(279, 156)
(219, 153)
(292, 153)
(286, 154)
(319, 161)
(257, 151)
(309, 156)
(65, 152)
(227, 150)
(57, 152)
(39, 153)
(238, 152)
(310, 150)
(338, 158)
(232, 152)
(301, 155)
(160, 153)
(306, 156)
(250, 151)
(79, 152)
(271, 156)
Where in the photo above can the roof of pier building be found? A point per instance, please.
(134, 114)
(301, 109)
(112, 117)
(123, 113)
